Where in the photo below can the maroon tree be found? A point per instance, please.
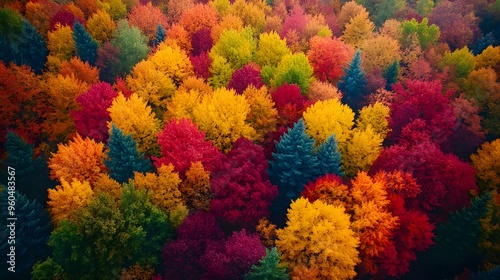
(201, 65)
(201, 41)
(290, 103)
(245, 76)
(242, 191)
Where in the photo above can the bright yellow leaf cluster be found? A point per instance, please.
(134, 116)
(318, 236)
(106, 184)
(361, 150)
(60, 42)
(487, 164)
(263, 115)
(66, 199)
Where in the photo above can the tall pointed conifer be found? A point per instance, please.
(352, 83)
(32, 49)
(329, 157)
(123, 158)
(86, 46)
(294, 164)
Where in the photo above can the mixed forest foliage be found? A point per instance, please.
(251, 139)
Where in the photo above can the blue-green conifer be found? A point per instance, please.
(329, 157)
(352, 84)
(123, 158)
(86, 46)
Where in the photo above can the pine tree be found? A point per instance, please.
(391, 75)
(123, 158)
(32, 49)
(269, 268)
(456, 242)
(329, 157)
(352, 83)
(32, 234)
(293, 165)
(32, 174)
(160, 35)
(86, 46)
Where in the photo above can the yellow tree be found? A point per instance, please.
(487, 164)
(372, 223)
(358, 29)
(100, 25)
(319, 236)
(263, 116)
(182, 105)
(115, 8)
(227, 22)
(379, 51)
(223, 115)
(60, 42)
(489, 57)
(195, 188)
(271, 49)
(376, 115)
(104, 183)
(252, 14)
(66, 199)
(348, 11)
(81, 159)
(361, 150)
(327, 117)
(134, 116)
(164, 191)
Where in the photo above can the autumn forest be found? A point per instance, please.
(249, 139)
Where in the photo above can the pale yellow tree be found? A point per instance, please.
(358, 29)
(361, 150)
(379, 51)
(375, 115)
(263, 115)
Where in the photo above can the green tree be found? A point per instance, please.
(426, 35)
(462, 61)
(387, 9)
(86, 46)
(294, 69)
(123, 157)
(352, 83)
(237, 47)
(269, 268)
(456, 241)
(132, 44)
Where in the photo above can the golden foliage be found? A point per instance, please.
(81, 159)
(379, 51)
(60, 42)
(327, 117)
(162, 187)
(358, 30)
(318, 236)
(65, 200)
(323, 91)
(263, 116)
(376, 116)
(101, 26)
(222, 115)
(134, 116)
(195, 188)
(271, 49)
(487, 164)
(137, 272)
(82, 71)
(104, 183)
(267, 232)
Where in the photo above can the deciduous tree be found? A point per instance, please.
(328, 57)
(67, 198)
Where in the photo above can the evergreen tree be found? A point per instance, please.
(456, 241)
(269, 268)
(160, 35)
(32, 49)
(32, 233)
(352, 83)
(391, 75)
(293, 165)
(32, 174)
(123, 158)
(483, 43)
(86, 46)
(330, 158)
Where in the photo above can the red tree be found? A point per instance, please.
(201, 65)
(201, 41)
(242, 191)
(290, 103)
(328, 57)
(245, 76)
(92, 120)
(182, 143)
